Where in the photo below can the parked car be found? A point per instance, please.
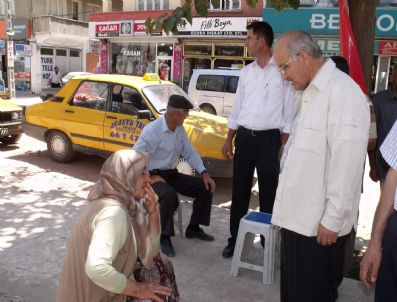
(10, 122)
(213, 90)
(101, 114)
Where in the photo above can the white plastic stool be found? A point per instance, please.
(255, 223)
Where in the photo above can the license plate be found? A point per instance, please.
(3, 131)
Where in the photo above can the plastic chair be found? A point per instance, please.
(250, 224)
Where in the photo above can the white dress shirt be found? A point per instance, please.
(263, 100)
(389, 153)
(320, 181)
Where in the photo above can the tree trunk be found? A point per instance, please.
(362, 19)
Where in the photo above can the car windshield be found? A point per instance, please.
(158, 95)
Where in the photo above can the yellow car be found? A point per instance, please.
(10, 122)
(101, 114)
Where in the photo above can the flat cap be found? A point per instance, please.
(179, 102)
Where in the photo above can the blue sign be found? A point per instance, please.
(325, 21)
(2, 44)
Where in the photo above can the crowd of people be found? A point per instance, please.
(304, 125)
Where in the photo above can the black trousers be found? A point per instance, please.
(308, 269)
(386, 284)
(55, 85)
(187, 185)
(254, 149)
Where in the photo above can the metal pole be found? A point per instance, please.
(10, 52)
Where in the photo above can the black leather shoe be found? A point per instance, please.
(199, 234)
(228, 251)
(166, 246)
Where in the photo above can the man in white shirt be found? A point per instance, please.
(321, 170)
(261, 117)
(379, 265)
(55, 78)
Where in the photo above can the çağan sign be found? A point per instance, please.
(113, 29)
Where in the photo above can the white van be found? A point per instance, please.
(213, 90)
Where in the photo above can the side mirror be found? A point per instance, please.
(144, 114)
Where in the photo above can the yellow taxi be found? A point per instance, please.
(100, 114)
(10, 122)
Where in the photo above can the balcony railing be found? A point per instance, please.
(53, 24)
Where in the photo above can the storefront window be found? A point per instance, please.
(165, 49)
(224, 63)
(22, 73)
(197, 49)
(133, 58)
(229, 50)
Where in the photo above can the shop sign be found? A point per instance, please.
(20, 28)
(113, 29)
(2, 44)
(23, 50)
(177, 62)
(47, 66)
(132, 53)
(140, 29)
(10, 53)
(105, 58)
(325, 21)
(388, 47)
(222, 26)
(22, 76)
(94, 46)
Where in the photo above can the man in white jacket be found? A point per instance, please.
(319, 188)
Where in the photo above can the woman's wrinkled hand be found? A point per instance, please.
(151, 200)
(146, 290)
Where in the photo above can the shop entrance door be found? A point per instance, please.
(169, 61)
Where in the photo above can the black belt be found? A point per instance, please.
(258, 132)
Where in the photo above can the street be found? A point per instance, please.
(41, 199)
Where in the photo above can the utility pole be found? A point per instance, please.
(10, 50)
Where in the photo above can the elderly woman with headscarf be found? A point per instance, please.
(111, 233)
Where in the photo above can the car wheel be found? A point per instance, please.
(184, 167)
(10, 139)
(208, 108)
(60, 147)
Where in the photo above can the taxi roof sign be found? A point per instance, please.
(151, 77)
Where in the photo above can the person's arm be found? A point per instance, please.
(227, 148)
(370, 263)
(372, 142)
(108, 237)
(347, 137)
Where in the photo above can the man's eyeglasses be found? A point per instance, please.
(284, 66)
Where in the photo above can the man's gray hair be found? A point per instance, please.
(298, 41)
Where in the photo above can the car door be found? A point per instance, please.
(230, 92)
(85, 112)
(122, 126)
(211, 90)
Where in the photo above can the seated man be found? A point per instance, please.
(166, 140)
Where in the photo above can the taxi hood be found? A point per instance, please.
(207, 133)
(6, 105)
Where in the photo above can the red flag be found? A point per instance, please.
(348, 47)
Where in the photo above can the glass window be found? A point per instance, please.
(91, 95)
(141, 4)
(61, 52)
(231, 84)
(227, 63)
(133, 58)
(74, 53)
(165, 49)
(47, 51)
(149, 4)
(225, 5)
(166, 4)
(229, 50)
(75, 11)
(197, 49)
(126, 100)
(158, 95)
(211, 83)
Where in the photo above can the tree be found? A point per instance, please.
(361, 13)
